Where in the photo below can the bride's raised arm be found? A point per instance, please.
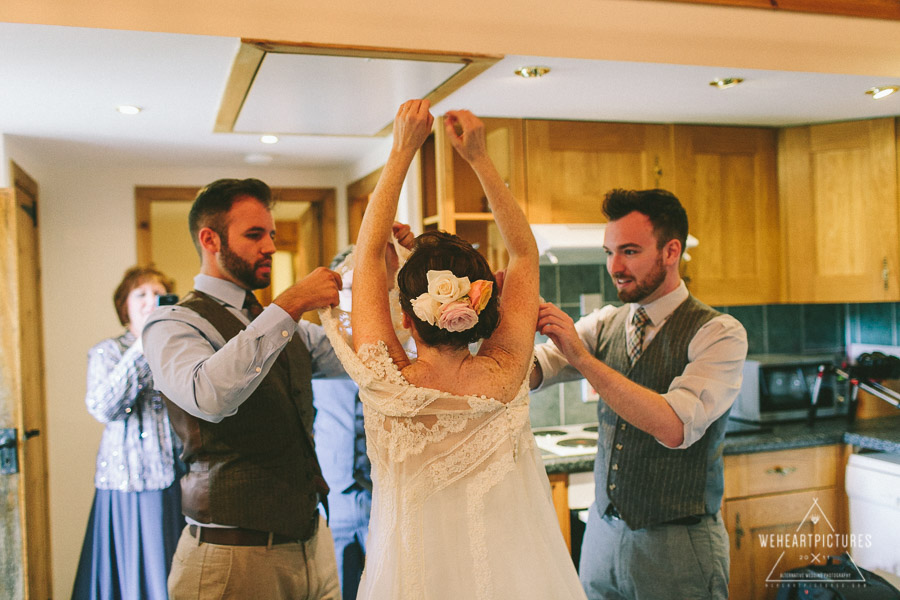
(514, 336)
(371, 314)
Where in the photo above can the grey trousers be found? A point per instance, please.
(303, 570)
(663, 562)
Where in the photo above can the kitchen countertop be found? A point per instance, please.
(880, 434)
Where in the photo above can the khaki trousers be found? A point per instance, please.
(295, 571)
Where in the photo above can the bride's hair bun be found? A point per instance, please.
(442, 251)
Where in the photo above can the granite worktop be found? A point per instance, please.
(880, 434)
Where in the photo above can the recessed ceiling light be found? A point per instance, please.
(529, 72)
(127, 109)
(258, 159)
(882, 91)
(269, 139)
(726, 82)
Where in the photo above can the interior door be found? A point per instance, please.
(25, 532)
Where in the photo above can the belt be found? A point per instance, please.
(612, 514)
(223, 536)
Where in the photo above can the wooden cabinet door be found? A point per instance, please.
(571, 165)
(725, 178)
(757, 558)
(838, 194)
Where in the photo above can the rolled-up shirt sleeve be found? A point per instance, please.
(712, 378)
(194, 367)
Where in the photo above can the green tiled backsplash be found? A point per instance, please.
(771, 329)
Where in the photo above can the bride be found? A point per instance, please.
(461, 506)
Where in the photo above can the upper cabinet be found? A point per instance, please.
(452, 197)
(725, 177)
(839, 207)
(799, 214)
(571, 165)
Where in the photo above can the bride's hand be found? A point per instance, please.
(466, 133)
(412, 125)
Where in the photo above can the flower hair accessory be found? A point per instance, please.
(451, 302)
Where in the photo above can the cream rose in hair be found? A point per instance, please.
(426, 308)
(446, 287)
(457, 316)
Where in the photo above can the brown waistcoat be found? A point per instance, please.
(256, 469)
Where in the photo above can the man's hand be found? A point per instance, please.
(403, 234)
(560, 328)
(466, 133)
(412, 125)
(319, 289)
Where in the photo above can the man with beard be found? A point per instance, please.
(237, 383)
(667, 369)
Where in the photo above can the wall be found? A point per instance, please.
(771, 329)
(86, 217)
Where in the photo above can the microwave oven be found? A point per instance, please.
(779, 388)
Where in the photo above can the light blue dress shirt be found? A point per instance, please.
(208, 378)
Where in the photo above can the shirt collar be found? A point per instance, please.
(660, 309)
(220, 289)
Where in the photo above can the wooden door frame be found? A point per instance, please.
(24, 372)
(323, 199)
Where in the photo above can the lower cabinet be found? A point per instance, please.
(779, 510)
(559, 489)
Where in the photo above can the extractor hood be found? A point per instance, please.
(576, 243)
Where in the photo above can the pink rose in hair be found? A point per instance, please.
(479, 294)
(457, 316)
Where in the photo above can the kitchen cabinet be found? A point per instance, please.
(559, 490)
(571, 165)
(787, 492)
(725, 178)
(839, 208)
(452, 197)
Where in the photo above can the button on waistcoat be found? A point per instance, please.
(647, 482)
(256, 469)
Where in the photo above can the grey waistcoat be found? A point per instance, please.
(648, 483)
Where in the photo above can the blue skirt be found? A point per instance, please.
(129, 544)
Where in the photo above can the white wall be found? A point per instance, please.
(87, 234)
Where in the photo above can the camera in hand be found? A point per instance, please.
(166, 299)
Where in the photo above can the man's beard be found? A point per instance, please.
(646, 286)
(241, 270)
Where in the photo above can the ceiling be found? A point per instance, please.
(61, 86)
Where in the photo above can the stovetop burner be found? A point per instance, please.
(567, 440)
(577, 442)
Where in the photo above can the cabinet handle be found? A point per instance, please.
(738, 530)
(885, 273)
(780, 470)
(657, 170)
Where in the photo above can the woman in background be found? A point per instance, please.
(136, 518)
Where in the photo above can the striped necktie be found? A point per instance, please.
(252, 305)
(640, 320)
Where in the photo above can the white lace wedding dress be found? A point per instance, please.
(461, 508)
